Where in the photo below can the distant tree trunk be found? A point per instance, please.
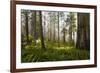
(38, 25)
(55, 18)
(44, 28)
(74, 39)
(54, 33)
(41, 32)
(70, 27)
(64, 35)
(58, 30)
(83, 31)
(26, 22)
(70, 33)
(73, 34)
(49, 32)
(34, 26)
(50, 29)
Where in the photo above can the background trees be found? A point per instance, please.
(55, 27)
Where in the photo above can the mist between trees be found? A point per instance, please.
(54, 36)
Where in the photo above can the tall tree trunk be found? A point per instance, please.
(83, 31)
(58, 30)
(86, 32)
(41, 32)
(35, 35)
(78, 31)
(26, 16)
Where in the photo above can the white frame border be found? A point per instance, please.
(20, 65)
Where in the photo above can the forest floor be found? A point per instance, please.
(53, 53)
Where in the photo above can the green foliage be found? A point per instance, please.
(36, 54)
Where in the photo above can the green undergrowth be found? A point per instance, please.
(62, 53)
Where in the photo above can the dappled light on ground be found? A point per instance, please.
(67, 48)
